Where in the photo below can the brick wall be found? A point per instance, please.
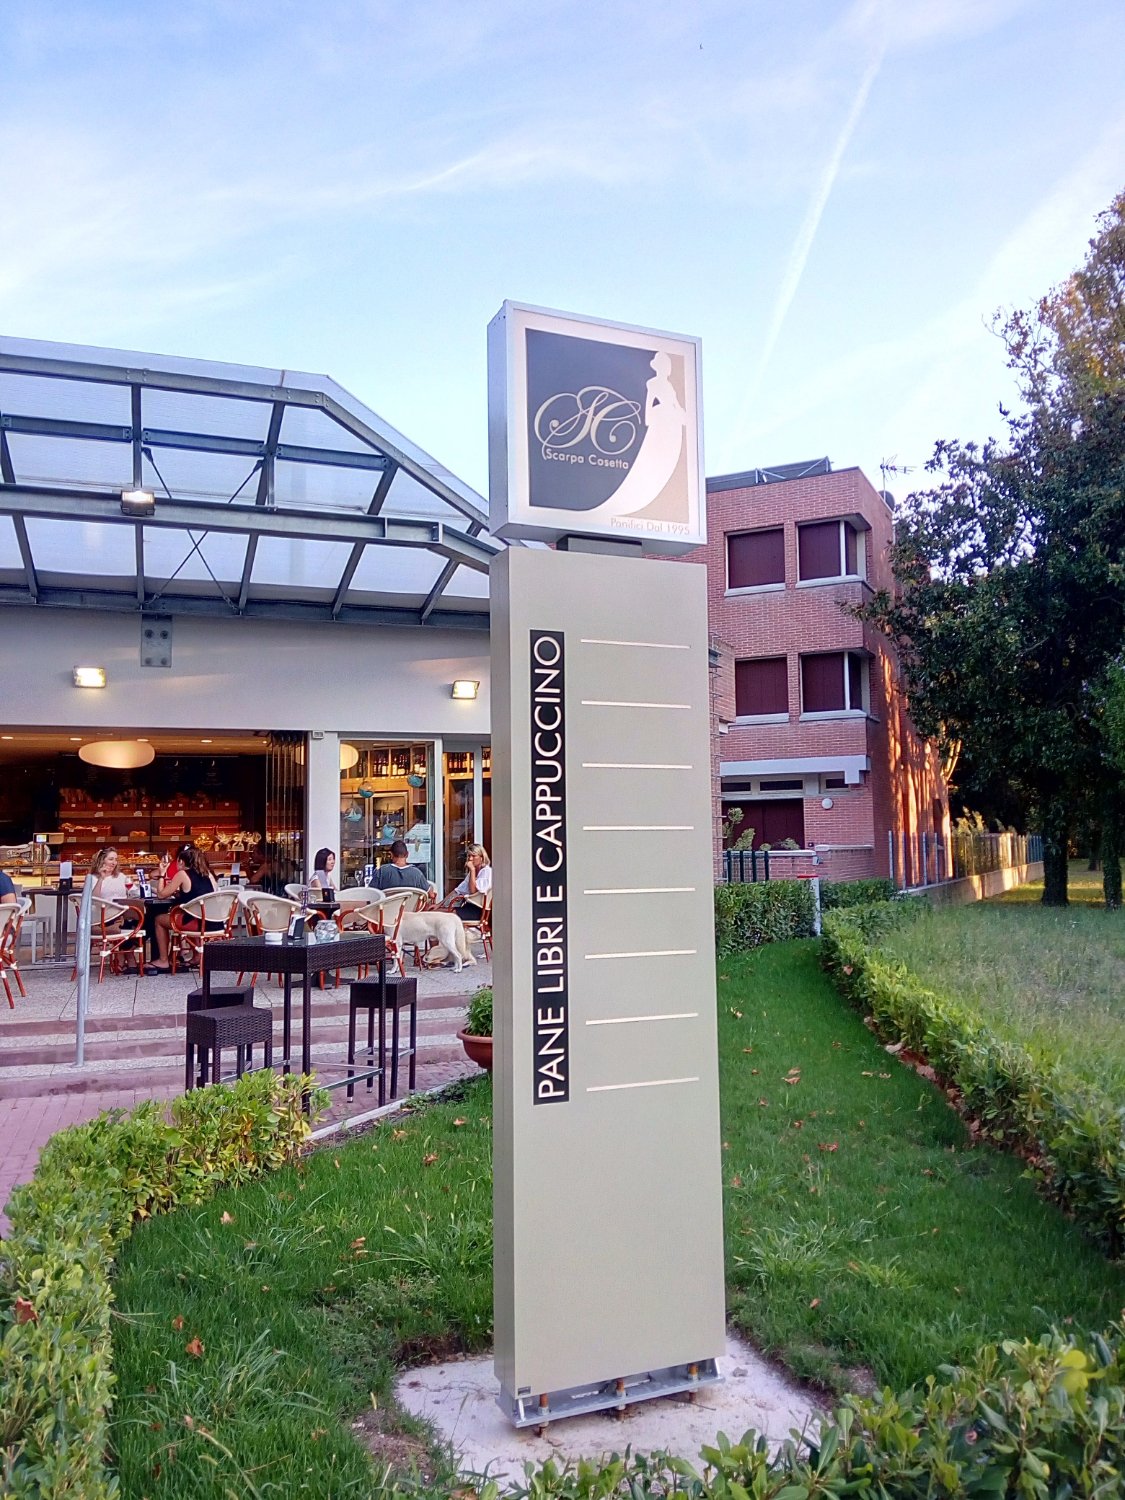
(904, 783)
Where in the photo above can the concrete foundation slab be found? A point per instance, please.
(458, 1399)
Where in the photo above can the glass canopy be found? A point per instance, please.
(274, 494)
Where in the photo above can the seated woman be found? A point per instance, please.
(476, 885)
(323, 865)
(110, 882)
(192, 880)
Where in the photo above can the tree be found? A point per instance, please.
(1010, 604)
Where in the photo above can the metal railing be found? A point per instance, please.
(981, 853)
(741, 865)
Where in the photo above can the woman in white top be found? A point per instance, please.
(323, 865)
(477, 882)
(110, 883)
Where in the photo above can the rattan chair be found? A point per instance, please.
(11, 919)
(480, 926)
(220, 906)
(117, 932)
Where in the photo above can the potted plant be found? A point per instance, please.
(476, 1038)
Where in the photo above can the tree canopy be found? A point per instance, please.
(1009, 616)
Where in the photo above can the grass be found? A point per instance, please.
(864, 1237)
(1051, 978)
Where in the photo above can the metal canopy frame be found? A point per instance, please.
(458, 537)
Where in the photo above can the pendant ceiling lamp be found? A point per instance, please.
(349, 756)
(117, 755)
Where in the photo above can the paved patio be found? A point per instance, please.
(135, 1048)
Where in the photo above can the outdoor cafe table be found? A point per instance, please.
(299, 959)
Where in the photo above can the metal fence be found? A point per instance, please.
(981, 853)
(740, 865)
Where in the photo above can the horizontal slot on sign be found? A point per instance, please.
(638, 828)
(639, 890)
(613, 703)
(679, 1015)
(647, 645)
(633, 765)
(650, 953)
(649, 1083)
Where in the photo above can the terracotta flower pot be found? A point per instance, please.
(478, 1049)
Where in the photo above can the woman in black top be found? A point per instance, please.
(192, 880)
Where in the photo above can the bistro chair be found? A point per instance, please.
(117, 932)
(264, 913)
(389, 921)
(188, 943)
(480, 926)
(11, 920)
(358, 895)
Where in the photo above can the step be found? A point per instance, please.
(58, 1047)
(165, 1075)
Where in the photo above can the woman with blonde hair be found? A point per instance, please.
(110, 884)
(477, 882)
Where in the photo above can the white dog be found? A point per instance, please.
(445, 927)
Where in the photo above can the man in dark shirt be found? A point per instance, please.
(8, 891)
(398, 873)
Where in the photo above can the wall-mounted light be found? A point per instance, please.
(89, 677)
(464, 687)
(827, 803)
(137, 502)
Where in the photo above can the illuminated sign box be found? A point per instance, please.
(594, 430)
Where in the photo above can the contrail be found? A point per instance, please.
(803, 244)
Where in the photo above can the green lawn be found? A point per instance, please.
(1053, 978)
(863, 1237)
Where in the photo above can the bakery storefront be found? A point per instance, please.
(240, 609)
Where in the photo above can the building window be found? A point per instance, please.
(830, 549)
(761, 687)
(835, 682)
(756, 559)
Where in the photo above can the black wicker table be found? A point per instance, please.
(291, 960)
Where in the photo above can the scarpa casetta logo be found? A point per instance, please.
(607, 424)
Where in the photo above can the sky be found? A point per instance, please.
(836, 195)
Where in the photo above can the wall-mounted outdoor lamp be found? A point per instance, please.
(464, 688)
(137, 502)
(89, 677)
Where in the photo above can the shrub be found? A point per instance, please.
(478, 1020)
(1029, 1419)
(1072, 1130)
(92, 1183)
(837, 893)
(765, 911)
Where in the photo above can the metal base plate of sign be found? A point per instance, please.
(610, 1395)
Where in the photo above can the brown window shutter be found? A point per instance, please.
(762, 686)
(818, 548)
(822, 683)
(755, 558)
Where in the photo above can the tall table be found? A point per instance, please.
(292, 959)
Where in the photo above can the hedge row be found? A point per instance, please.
(764, 911)
(1073, 1131)
(1033, 1420)
(93, 1182)
(837, 893)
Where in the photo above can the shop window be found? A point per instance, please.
(830, 549)
(834, 682)
(761, 687)
(756, 559)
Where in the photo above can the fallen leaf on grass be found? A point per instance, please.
(226, 1218)
(737, 1014)
(763, 1103)
(25, 1311)
(747, 1049)
(736, 1181)
(428, 1161)
(797, 1124)
(265, 1288)
(195, 1347)
(358, 1243)
(828, 1145)
(398, 1135)
(460, 1122)
(178, 1322)
(335, 1163)
(884, 1075)
(815, 1302)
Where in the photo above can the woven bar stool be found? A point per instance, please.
(222, 995)
(238, 1026)
(401, 994)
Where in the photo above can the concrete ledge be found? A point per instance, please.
(979, 887)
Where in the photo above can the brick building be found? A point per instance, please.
(812, 739)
